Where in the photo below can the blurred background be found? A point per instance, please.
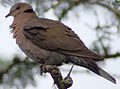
(97, 22)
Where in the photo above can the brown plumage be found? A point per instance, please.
(51, 42)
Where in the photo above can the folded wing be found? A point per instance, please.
(55, 36)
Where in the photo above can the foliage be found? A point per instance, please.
(19, 73)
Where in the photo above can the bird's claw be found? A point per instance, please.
(47, 68)
(41, 69)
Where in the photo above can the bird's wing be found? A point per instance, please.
(55, 36)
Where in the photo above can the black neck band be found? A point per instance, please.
(29, 11)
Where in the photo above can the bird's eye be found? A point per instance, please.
(17, 8)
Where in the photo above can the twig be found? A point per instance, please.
(112, 55)
(109, 8)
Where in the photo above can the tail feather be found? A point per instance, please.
(91, 65)
(106, 75)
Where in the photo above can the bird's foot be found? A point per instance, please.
(48, 68)
(41, 70)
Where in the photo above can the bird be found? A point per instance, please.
(51, 42)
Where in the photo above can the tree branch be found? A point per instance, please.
(112, 55)
(57, 76)
(109, 8)
(16, 61)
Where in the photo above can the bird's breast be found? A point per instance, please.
(31, 50)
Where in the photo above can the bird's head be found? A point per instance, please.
(20, 8)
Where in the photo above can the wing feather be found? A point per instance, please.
(55, 36)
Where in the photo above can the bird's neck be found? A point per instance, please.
(22, 19)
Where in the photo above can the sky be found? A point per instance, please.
(9, 48)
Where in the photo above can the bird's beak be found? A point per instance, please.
(8, 15)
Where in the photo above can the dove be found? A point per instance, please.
(51, 42)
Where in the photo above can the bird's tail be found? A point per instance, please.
(91, 65)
